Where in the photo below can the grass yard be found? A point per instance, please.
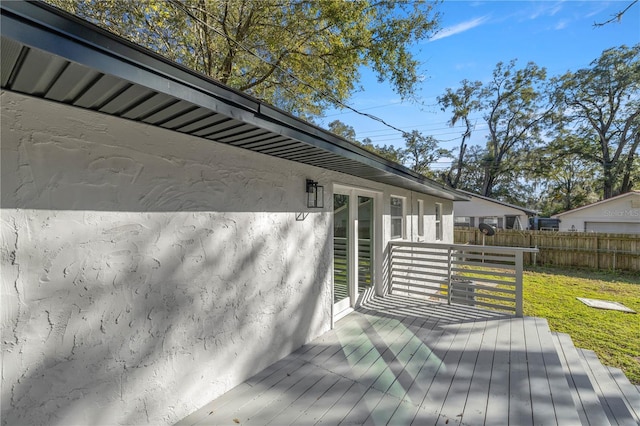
(615, 336)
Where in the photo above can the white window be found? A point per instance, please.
(438, 222)
(462, 221)
(421, 218)
(490, 220)
(397, 217)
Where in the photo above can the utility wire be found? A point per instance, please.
(186, 10)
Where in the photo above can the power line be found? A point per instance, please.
(454, 128)
(324, 94)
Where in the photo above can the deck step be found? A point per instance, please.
(584, 395)
(618, 409)
(630, 392)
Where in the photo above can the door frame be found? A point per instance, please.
(376, 247)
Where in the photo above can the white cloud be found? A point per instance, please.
(459, 28)
(560, 25)
(546, 9)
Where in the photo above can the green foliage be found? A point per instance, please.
(601, 105)
(389, 152)
(613, 335)
(341, 129)
(569, 140)
(514, 106)
(421, 152)
(462, 102)
(567, 180)
(302, 56)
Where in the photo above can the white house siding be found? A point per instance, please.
(478, 209)
(144, 272)
(616, 215)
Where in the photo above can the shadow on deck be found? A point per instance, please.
(398, 360)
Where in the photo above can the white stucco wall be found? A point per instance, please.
(619, 214)
(144, 272)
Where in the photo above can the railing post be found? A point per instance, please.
(519, 285)
(390, 268)
(449, 276)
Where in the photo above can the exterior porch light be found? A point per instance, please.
(315, 194)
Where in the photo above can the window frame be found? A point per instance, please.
(462, 224)
(393, 218)
(438, 221)
(421, 218)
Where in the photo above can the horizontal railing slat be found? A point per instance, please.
(511, 274)
(485, 265)
(483, 276)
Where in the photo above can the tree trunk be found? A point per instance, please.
(489, 179)
(607, 182)
(627, 183)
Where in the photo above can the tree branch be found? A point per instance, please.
(617, 17)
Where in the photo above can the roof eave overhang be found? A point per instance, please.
(62, 39)
(526, 211)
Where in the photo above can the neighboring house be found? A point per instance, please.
(157, 245)
(496, 213)
(616, 215)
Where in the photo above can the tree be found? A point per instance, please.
(389, 152)
(422, 151)
(473, 172)
(601, 104)
(462, 102)
(515, 109)
(299, 55)
(567, 179)
(515, 106)
(343, 130)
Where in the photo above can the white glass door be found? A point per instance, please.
(353, 246)
(341, 258)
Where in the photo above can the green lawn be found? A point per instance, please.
(615, 336)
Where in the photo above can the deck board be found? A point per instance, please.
(541, 396)
(498, 398)
(629, 393)
(520, 411)
(456, 398)
(608, 392)
(324, 404)
(589, 407)
(403, 361)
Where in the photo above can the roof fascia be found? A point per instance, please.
(617, 197)
(502, 203)
(49, 29)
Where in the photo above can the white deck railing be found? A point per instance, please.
(482, 276)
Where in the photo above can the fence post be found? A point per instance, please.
(519, 285)
(614, 259)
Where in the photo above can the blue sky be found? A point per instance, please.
(474, 37)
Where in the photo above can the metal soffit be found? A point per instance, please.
(50, 54)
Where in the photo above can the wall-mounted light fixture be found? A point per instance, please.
(315, 194)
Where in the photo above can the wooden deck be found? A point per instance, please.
(398, 360)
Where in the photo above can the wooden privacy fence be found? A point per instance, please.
(574, 249)
(463, 274)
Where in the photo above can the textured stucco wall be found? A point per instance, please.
(145, 272)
